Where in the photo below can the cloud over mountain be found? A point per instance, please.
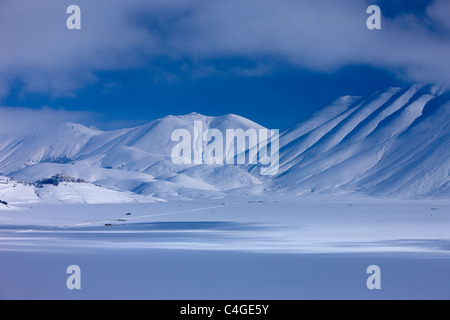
(16, 121)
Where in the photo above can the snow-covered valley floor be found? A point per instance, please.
(231, 248)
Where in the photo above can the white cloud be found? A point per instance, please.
(17, 121)
(42, 54)
(321, 35)
(439, 12)
(38, 51)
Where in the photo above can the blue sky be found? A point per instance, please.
(275, 62)
(275, 100)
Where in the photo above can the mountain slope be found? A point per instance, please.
(57, 144)
(395, 142)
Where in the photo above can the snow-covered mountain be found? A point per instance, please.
(58, 144)
(392, 143)
(136, 159)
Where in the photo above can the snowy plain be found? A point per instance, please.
(311, 247)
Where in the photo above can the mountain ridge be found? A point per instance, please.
(393, 143)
